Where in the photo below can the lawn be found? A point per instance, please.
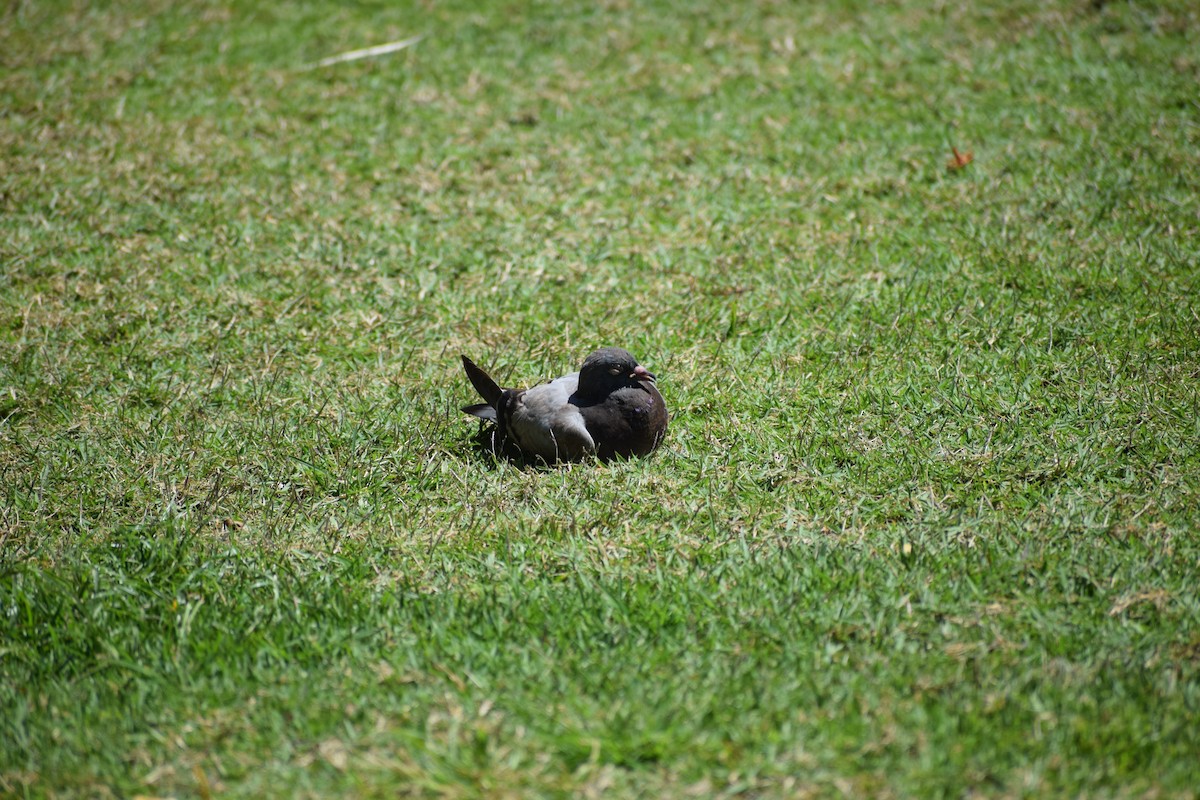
(919, 282)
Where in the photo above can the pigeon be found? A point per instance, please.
(611, 408)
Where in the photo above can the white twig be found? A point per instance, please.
(367, 52)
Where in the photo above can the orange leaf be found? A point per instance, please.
(959, 160)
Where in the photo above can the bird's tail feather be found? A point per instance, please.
(488, 389)
(481, 410)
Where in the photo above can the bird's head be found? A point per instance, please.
(610, 368)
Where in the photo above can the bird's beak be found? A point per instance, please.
(641, 374)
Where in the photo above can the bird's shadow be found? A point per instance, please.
(487, 446)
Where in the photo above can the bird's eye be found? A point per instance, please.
(614, 370)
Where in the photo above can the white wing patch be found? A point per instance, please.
(544, 423)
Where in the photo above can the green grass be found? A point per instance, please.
(927, 519)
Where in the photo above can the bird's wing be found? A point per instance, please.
(542, 421)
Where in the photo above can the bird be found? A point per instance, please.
(610, 408)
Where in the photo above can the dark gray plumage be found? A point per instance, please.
(610, 408)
